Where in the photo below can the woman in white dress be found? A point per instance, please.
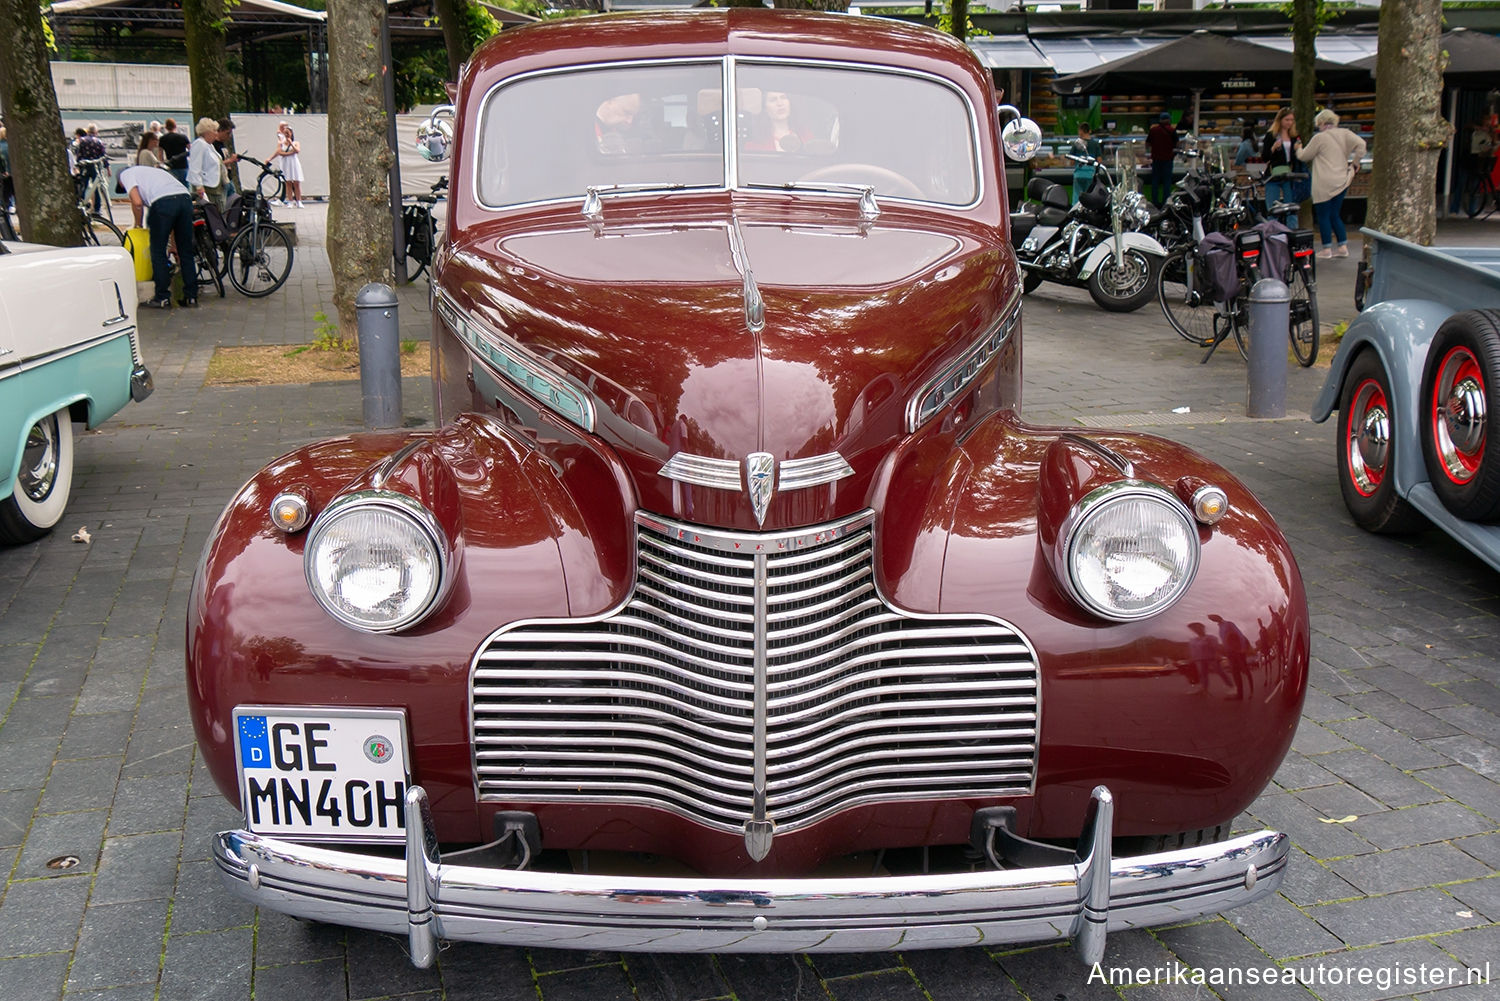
(289, 150)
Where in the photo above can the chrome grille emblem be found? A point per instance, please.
(760, 482)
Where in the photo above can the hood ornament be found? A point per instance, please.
(760, 482)
(755, 305)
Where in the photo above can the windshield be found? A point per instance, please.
(661, 126)
(905, 136)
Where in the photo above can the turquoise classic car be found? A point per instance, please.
(69, 353)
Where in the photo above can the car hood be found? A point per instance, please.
(652, 318)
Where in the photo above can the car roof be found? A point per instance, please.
(717, 32)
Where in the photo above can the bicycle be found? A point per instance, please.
(1480, 198)
(258, 256)
(206, 258)
(99, 230)
(1185, 281)
(421, 229)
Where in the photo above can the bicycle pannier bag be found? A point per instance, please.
(1275, 250)
(1223, 272)
(417, 235)
(234, 211)
(217, 227)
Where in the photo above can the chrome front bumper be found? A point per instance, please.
(429, 900)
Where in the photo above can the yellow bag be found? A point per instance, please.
(138, 242)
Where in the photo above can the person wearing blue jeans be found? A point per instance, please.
(168, 211)
(1331, 226)
(1334, 155)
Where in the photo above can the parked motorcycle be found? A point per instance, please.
(1099, 243)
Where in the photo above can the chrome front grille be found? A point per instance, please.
(754, 678)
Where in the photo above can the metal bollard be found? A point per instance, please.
(1270, 326)
(379, 355)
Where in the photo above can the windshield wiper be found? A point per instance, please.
(868, 208)
(593, 205)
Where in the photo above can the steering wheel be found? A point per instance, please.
(882, 179)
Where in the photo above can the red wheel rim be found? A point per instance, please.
(1457, 408)
(1367, 437)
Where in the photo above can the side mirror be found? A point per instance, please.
(435, 135)
(1021, 136)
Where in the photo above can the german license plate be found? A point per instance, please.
(323, 773)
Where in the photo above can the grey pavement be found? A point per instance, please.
(1391, 793)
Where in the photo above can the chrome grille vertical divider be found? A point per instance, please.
(759, 829)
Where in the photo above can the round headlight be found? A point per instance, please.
(1131, 552)
(375, 563)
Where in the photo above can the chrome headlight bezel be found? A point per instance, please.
(1091, 507)
(428, 530)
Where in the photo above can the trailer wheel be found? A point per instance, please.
(1460, 395)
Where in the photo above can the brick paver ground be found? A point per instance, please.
(1391, 793)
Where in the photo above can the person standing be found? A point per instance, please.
(1161, 141)
(1084, 145)
(1280, 151)
(170, 215)
(7, 186)
(149, 153)
(222, 143)
(289, 150)
(88, 150)
(205, 171)
(1334, 154)
(1246, 151)
(174, 149)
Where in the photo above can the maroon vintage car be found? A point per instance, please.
(732, 605)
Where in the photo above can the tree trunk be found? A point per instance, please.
(208, 67)
(203, 29)
(451, 14)
(959, 9)
(45, 200)
(359, 158)
(1409, 126)
(1304, 55)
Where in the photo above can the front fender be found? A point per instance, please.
(1106, 249)
(1398, 331)
(1188, 712)
(255, 635)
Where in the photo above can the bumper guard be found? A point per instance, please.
(428, 900)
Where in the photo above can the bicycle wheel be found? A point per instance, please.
(260, 259)
(1239, 317)
(1478, 196)
(1304, 319)
(100, 232)
(1185, 309)
(206, 255)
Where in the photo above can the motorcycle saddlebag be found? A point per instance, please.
(1021, 223)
